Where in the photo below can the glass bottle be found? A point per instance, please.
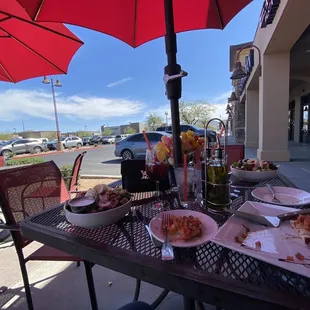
(206, 157)
(218, 194)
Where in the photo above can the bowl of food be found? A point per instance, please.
(111, 204)
(254, 170)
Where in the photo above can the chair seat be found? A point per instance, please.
(48, 253)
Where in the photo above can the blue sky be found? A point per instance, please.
(111, 83)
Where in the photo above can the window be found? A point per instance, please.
(75, 138)
(19, 142)
(154, 137)
(169, 128)
(136, 138)
(161, 129)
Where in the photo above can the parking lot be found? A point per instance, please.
(99, 161)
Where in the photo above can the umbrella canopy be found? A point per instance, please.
(138, 21)
(29, 49)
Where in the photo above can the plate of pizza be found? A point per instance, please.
(287, 246)
(186, 228)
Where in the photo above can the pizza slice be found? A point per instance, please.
(302, 227)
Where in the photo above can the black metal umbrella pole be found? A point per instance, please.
(173, 75)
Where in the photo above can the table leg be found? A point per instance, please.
(189, 303)
(91, 287)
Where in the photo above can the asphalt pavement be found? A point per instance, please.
(101, 161)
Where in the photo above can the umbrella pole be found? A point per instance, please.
(173, 84)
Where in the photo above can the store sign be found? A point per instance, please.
(269, 12)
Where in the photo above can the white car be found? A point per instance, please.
(108, 140)
(67, 142)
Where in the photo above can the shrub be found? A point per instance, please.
(24, 161)
(66, 172)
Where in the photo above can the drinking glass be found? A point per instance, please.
(156, 171)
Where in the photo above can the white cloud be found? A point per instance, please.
(39, 104)
(220, 103)
(122, 81)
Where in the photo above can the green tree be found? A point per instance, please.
(129, 130)
(83, 133)
(6, 136)
(197, 112)
(107, 132)
(153, 121)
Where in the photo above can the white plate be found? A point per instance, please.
(276, 242)
(209, 228)
(288, 196)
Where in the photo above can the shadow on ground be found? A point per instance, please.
(112, 161)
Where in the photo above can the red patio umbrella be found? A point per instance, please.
(29, 49)
(138, 21)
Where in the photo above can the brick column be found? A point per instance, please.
(239, 122)
(251, 118)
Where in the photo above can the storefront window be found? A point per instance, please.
(305, 124)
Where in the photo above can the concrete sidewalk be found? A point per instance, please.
(62, 286)
(297, 170)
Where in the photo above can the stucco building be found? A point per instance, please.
(276, 88)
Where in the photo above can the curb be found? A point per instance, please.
(57, 152)
(96, 176)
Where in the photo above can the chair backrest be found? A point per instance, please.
(134, 177)
(234, 153)
(73, 183)
(27, 190)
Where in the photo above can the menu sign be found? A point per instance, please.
(269, 11)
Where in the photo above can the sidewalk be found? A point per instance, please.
(62, 286)
(298, 169)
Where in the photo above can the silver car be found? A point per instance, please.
(67, 142)
(21, 146)
(135, 145)
(108, 140)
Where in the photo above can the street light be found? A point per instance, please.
(166, 113)
(57, 84)
(238, 72)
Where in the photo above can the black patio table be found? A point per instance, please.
(209, 273)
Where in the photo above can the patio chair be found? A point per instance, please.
(25, 191)
(134, 177)
(74, 178)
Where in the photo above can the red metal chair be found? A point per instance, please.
(25, 191)
(74, 178)
(234, 153)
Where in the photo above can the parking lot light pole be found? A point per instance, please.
(57, 84)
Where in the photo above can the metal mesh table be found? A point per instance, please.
(209, 273)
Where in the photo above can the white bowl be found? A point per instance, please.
(254, 176)
(98, 219)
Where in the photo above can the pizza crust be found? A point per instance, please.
(303, 234)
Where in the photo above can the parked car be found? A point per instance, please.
(121, 137)
(211, 134)
(86, 140)
(135, 146)
(95, 140)
(66, 143)
(52, 145)
(21, 146)
(108, 140)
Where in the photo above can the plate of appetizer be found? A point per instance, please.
(186, 228)
(254, 170)
(101, 206)
(287, 246)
